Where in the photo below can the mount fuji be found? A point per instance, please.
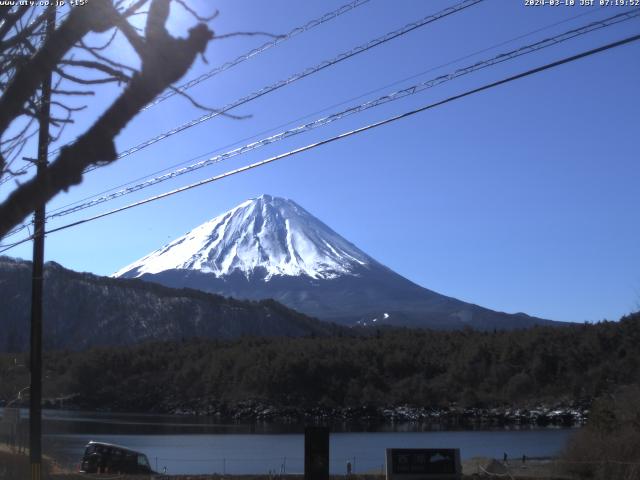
(270, 247)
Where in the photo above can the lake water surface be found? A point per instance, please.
(199, 445)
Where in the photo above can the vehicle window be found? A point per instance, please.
(89, 450)
(142, 460)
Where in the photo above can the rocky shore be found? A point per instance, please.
(566, 413)
(541, 415)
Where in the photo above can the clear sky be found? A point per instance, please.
(522, 198)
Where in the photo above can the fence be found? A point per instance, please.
(14, 431)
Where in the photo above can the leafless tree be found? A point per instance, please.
(79, 66)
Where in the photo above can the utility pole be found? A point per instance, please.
(35, 400)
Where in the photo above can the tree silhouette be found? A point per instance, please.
(26, 57)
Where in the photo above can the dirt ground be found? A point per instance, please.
(531, 469)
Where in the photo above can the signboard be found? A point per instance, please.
(423, 463)
(316, 453)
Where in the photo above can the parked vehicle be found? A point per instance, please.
(102, 457)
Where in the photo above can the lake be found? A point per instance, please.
(198, 445)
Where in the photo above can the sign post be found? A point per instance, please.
(35, 398)
(316, 453)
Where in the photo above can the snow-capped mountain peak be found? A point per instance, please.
(267, 235)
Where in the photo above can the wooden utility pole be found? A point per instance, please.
(35, 398)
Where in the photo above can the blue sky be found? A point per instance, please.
(522, 198)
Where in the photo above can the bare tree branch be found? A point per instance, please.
(57, 91)
(106, 45)
(94, 52)
(11, 19)
(195, 14)
(19, 134)
(87, 81)
(24, 33)
(24, 84)
(208, 109)
(136, 41)
(133, 8)
(68, 108)
(113, 72)
(165, 60)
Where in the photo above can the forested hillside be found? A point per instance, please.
(82, 310)
(420, 368)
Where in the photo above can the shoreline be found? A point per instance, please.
(532, 469)
(541, 415)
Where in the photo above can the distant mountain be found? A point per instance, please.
(265, 237)
(270, 247)
(82, 310)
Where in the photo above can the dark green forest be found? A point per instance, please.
(382, 368)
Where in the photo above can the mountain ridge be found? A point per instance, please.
(269, 233)
(270, 247)
(83, 310)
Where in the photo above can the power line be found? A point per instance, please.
(238, 60)
(408, 91)
(309, 71)
(9, 246)
(610, 21)
(342, 135)
(246, 56)
(363, 95)
(299, 76)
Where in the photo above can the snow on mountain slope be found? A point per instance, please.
(264, 234)
(271, 248)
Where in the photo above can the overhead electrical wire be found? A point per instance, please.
(344, 135)
(588, 28)
(293, 78)
(414, 89)
(299, 76)
(310, 25)
(266, 46)
(405, 92)
(335, 105)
